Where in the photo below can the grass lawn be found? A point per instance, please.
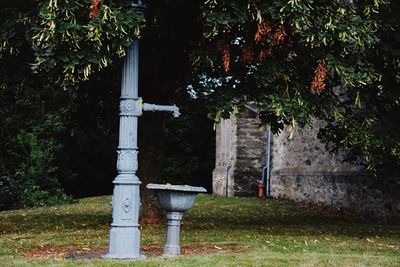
(218, 231)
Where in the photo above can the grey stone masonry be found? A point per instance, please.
(250, 156)
(306, 152)
(341, 191)
(240, 156)
(225, 158)
(302, 169)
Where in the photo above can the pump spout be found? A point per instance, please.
(153, 107)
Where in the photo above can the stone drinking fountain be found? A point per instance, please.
(176, 200)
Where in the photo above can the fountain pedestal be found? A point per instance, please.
(174, 224)
(176, 200)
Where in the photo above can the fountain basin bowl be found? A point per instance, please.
(176, 198)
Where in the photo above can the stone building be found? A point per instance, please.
(239, 159)
(301, 169)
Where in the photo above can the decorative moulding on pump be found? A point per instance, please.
(127, 161)
(131, 107)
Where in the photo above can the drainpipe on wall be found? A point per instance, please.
(227, 179)
(267, 167)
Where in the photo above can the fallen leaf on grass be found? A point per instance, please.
(60, 252)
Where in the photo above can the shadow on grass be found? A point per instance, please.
(282, 217)
(53, 222)
(209, 214)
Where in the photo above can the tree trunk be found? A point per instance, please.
(164, 67)
(151, 143)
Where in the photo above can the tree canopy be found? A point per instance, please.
(337, 61)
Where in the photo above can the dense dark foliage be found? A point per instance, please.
(338, 61)
(59, 128)
(60, 67)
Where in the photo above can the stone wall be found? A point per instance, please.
(225, 157)
(250, 158)
(303, 170)
(240, 156)
(305, 151)
(340, 191)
